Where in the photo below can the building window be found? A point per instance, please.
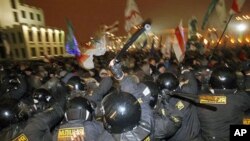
(13, 38)
(31, 16)
(38, 17)
(54, 37)
(6, 37)
(41, 50)
(33, 52)
(48, 50)
(60, 37)
(23, 53)
(46, 36)
(39, 36)
(23, 14)
(55, 51)
(17, 53)
(15, 16)
(13, 4)
(20, 35)
(1, 37)
(61, 50)
(30, 35)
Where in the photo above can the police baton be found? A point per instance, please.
(191, 98)
(145, 26)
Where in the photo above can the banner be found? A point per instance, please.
(132, 15)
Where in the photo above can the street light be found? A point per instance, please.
(241, 27)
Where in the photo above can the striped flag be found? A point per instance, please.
(132, 15)
(236, 6)
(85, 60)
(179, 44)
(98, 48)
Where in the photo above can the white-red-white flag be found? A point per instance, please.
(236, 6)
(86, 59)
(132, 15)
(179, 45)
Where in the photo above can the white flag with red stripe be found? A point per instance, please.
(179, 45)
(236, 6)
(98, 48)
(132, 15)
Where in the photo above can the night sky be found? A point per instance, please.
(87, 15)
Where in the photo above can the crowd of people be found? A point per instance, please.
(142, 97)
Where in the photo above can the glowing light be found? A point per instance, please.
(232, 41)
(241, 27)
(198, 35)
(205, 41)
(247, 40)
(6, 113)
(239, 40)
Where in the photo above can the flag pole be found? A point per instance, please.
(224, 30)
(217, 44)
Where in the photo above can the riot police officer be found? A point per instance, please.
(78, 120)
(183, 108)
(131, 103)
(230, 103)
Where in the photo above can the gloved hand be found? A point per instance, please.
(116, 69)
(172, 113)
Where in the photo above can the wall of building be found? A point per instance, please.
(24, 29)
(42, 41)
(13, 13)
(15, 40)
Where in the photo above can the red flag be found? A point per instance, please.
(179, 48)
(236, 6)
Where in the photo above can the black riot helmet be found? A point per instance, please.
(78, 108)
(8, 112)
(76, 83)
(223, 78)
(42, 99)
(122, 112)
(167, 81)
(154, 91)
(13, 85)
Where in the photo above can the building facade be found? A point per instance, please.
(24, 35)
